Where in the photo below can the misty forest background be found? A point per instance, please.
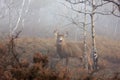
(45, 16)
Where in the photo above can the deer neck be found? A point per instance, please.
(60, 46)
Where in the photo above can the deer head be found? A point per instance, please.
(60, 37)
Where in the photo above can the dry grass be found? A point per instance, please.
(108, 50)
(109, 61)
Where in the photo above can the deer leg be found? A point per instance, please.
(81, 61)
(67, 60)
(67, 64)
(52, 64)
(57, 62)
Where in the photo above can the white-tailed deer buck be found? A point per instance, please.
(65, 50)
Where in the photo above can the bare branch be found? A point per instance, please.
(11, 46)
(114, 2)
(89, 13)
(78, 11)
(100, 5)
(115, 14)
(78, 2)
(102, 13)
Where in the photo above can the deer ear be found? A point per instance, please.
(66, 34)
(55, 32)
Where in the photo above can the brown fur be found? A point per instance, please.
(66, 50)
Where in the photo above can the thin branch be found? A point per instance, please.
(79, 10)
(90, 13)
(101, 13)
(115, 14)
(112, 1)
(78, 2)
(116, 3)
(100, 5)
(12, 46)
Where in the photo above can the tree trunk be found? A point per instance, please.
(85, 45)
(94, 50)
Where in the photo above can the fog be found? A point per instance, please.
(39, 18)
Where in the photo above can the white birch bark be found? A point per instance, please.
(94, 50)
(85, 44)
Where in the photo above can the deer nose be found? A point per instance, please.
(60, 40)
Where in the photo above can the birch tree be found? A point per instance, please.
(92, 10)
(83, 26)
(85, 39)
(16, 11)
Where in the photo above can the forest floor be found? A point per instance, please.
(107, 49)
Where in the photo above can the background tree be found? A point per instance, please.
(116, 7)
(92, 10)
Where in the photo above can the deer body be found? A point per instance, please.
(64, 49)
(60, 46)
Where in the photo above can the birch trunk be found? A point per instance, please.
(85, 45)
(94, 50)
